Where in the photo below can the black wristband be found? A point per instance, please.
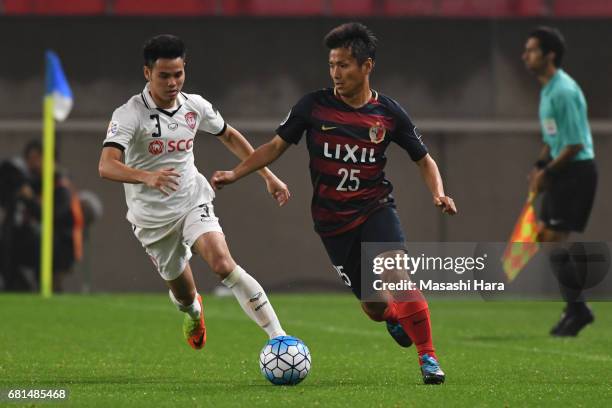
(541, 164)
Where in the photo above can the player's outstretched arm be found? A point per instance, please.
(111, 167)
(261, 157)
(431, 175)
(241, 147)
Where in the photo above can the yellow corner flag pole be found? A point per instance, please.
(46, 247)
(57, 104)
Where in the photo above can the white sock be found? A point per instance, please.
(192, 310)
(254, 301)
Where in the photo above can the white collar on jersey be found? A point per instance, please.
(148, 99)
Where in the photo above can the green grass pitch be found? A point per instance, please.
(127, 350)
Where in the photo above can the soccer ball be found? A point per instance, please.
(285, 360)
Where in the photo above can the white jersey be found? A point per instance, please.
(153, 138)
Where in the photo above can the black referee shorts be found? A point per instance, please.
(344, 250)
(568, 197)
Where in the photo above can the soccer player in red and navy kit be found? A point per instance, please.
(348, 129)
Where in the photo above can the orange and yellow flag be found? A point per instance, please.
(523, 244)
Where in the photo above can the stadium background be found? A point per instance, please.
(454, 64)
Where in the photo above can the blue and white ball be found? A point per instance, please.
(285, 360)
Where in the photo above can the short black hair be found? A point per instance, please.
(32, 146)
(551, 40)
(36, 146)
(163, 46)
(356, 37)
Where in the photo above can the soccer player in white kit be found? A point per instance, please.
(149, 147)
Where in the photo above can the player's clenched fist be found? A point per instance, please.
(163, 180)
(222, 178)
(446, 204)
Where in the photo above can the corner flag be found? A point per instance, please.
(56, 106)
(57, 87)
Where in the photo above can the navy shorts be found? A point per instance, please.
(568, 197)
(344, 250)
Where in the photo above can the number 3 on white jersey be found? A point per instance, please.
(353, 180)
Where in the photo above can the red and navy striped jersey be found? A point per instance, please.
(347, 154)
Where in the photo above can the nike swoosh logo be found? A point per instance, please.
(324, 128)
(256, 297)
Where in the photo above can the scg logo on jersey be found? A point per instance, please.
(182, 145)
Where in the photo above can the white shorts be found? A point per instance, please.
(169, 247)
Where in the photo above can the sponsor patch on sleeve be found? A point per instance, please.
(113, 126)
(550, 126)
